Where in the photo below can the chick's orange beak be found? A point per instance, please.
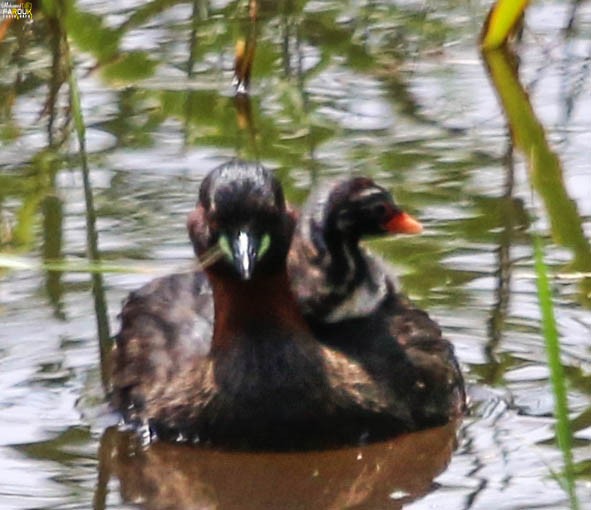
(403, 223)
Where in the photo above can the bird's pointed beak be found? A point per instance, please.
(403, 223)
(245, 253)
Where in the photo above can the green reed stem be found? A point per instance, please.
(17, 262)
(98, 288)
(501, 22)
(557, 376)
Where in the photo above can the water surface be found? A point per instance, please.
(394, 90)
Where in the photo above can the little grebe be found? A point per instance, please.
(350, 301)
(332, 276)
(261, 379)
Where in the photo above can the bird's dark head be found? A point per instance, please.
(241, 216)
(357, 207)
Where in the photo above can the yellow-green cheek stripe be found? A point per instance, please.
(224, 245)
(265, 243)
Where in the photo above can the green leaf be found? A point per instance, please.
(557, 376)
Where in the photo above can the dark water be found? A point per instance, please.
(395, 90)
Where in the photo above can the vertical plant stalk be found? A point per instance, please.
(545, 169)
(52, 204)
(504, 273)
(193, 41)
(557, 377)
(545, 173)
(245, 51)
(107, 452)
(100, 305)
(243, 62)
(501, 22)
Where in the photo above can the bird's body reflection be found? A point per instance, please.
(170, 476)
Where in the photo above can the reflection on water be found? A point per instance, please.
(175, 476)
(392, 89)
